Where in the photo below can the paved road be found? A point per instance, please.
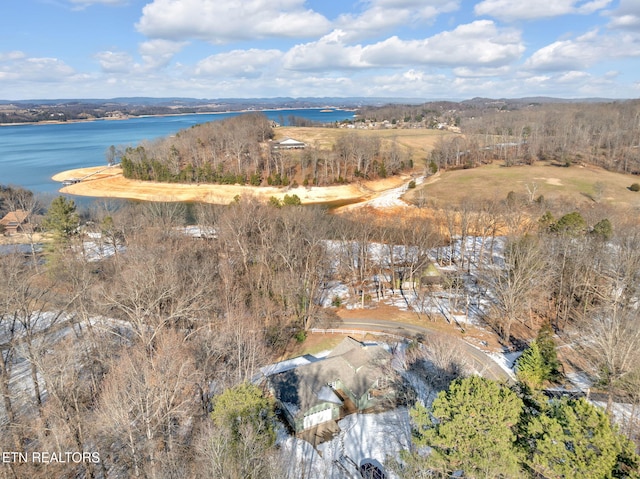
(481, 362)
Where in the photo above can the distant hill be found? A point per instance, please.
(38, 110)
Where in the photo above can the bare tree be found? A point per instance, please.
(611, 319)
(513, 285)
(163, 284)
(147, 402)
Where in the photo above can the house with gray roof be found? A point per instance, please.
(354, 377)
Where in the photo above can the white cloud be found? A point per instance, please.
(18, 67)
(219, 21)
(479, 43)
(114, 62)
(382, 15)
(13, 55)
(466, 72)
(572, 77)
(158, 53)
(330, 52)
(519, 10)
(561, 56)
(238, 63)
(626, 16)
(583, 52)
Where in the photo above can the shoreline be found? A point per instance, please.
(131, 117)
(108, 182)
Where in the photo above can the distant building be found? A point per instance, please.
(14, 222)
(287, 144)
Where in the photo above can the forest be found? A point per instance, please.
(604, 134)
(132, 334)
(124, 339)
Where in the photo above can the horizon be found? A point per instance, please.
(274, 99)
(430, 49)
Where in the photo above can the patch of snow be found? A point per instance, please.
(96, 251)
(362, 436)
(506, 360)
(332, 291)
(283, 366)
(626, 415)
(389, 199)
(198, 231)
(580, 380)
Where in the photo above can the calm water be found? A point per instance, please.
(31, 154)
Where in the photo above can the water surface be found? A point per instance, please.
(31, 154)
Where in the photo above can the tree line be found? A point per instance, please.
(600, 134)
(238, 151)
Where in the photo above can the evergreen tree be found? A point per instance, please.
(244, 407)
(539, 362)
(61, 218)
(547, 347)
(571, 224)
(471, 428)
(603, 229)
(293, 200)
(242, 436)
(531, 368)
(574, 439)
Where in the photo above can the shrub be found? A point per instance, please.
(603, 229)
(273, 201)
(293, 200)
(255, 179)
(511, 198)
(571, 223)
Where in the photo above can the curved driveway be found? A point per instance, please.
(481, 361)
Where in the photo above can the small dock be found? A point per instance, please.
(76, 179)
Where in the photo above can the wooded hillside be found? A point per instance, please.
(238, 151)
(522, 132)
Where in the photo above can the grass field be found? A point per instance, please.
(418, 141)
(575, 185)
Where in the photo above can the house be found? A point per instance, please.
(287, 144)
(14, 222)
(354, 377)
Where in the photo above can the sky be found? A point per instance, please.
(419, 49)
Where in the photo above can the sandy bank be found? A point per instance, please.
(107, 182)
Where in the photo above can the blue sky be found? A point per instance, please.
(428, 49)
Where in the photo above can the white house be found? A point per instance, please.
(287, 144)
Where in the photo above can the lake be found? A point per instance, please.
(31, 154)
